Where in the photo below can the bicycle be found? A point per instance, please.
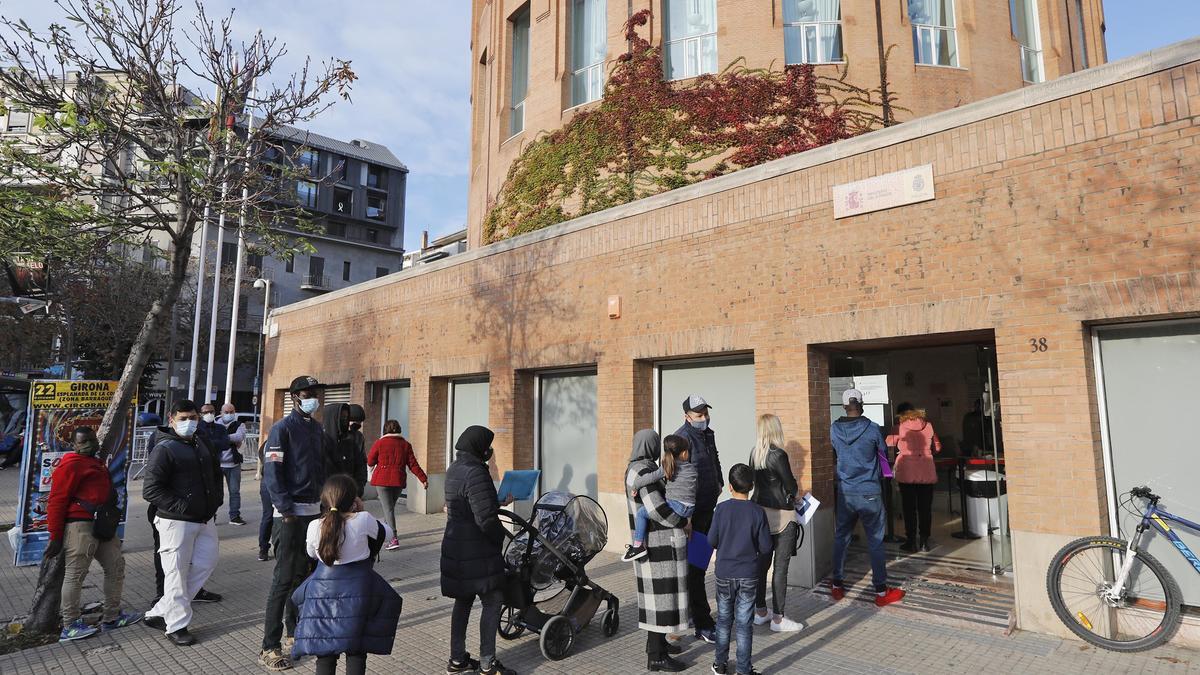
(1112, 593)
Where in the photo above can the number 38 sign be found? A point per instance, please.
(56, 409)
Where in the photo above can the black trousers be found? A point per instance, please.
(656, 646)
(292, 565)
(697, 593)
(356, 664)
(917, 501)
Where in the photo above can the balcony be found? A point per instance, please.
(315, 282)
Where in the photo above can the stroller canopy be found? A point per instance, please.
(575, 525)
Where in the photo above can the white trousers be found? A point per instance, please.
(189, 554)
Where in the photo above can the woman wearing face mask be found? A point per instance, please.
(472, 565)
(80, 485)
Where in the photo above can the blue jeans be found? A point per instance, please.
(268, 512)
(850, 508)
(735, 611)
(642, 521)
(233, 481)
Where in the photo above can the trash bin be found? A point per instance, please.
(984, 505)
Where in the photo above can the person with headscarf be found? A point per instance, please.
(472, 565)
(662, 573)
(79, 486)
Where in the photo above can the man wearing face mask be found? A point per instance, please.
(293, 472)
(81, 484)
(703, 444)
(345, 443)
(183, 482)
(231, 460)
(214, 434)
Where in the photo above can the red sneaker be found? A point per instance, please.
(890, 596)
(837, 592)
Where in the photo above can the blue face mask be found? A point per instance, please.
(700, 424)
(186, 428)
(309, 405)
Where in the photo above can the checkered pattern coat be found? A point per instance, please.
(662, 574)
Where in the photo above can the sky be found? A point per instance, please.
(413, 63)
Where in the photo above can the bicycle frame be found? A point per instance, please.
(1156, 518)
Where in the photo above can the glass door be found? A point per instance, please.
(996, 500)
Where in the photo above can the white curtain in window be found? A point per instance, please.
(589, 45)
(812, 31)
(520, 68)
(932, 12)
(691, 37)
(934, 42)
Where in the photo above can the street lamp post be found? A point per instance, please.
(264, 284)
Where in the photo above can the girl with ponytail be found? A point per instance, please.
(345, 607)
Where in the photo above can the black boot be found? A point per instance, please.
(909, 545)
(665, 665)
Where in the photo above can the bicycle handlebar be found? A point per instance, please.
(1144, 492)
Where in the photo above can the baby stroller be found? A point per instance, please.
(547, 590)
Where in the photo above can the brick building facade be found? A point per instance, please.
(1058, 208)
(982, 57)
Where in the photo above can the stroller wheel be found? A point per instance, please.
(558, 636)
(610, 622)
(510, 626)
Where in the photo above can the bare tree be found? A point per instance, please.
(121, 151)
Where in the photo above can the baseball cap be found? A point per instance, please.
(695, 403)
(851, 395)
(305, 382)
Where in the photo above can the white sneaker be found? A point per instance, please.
(786, 625)
(760, 619)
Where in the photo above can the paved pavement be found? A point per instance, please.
(849, 637)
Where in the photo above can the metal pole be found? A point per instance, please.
(258, 374)
(212, 323)
(237, 270)
(200, 272)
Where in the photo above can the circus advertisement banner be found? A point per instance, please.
(56, 409)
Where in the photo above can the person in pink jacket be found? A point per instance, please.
(916, 443)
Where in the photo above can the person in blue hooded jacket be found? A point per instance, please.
(858, 443)
(345, 607)
(294, 473)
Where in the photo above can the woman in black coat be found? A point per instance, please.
(472, 564)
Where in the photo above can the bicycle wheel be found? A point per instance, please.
(1146, 614)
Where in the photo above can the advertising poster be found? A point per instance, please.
(56, 409)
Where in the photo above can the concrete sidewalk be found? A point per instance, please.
(848, 637)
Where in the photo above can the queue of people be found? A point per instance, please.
(325, 543)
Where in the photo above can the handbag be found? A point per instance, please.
(106, 517)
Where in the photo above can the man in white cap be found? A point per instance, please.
(858, 443)
(702, 443)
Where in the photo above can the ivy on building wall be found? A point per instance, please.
(647, 135)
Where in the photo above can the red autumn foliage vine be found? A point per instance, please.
(647, 135)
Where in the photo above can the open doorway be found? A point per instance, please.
(952, 379)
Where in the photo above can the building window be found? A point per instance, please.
(18, 121)
(372, 235)
(1025, 29)
(589, 45)
(690, 36)
(812, 31)
(229, 254)
(310, 160)
(316, 270)
(289, 264)
(254, 260)
(519, 73)
(338, 174)
(1083, 51)
(335, 229)
(376, 177)
(381, 272)
(934, 40)
(306, 193)
(346, 271)
(343, 201)
(376, 206)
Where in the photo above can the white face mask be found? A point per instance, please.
(309, 405)
(210, 418)
(228, 418)
(185, 428)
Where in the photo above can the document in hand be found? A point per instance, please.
(518, 484)
(806, 508)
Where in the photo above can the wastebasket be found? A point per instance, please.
(984, 505)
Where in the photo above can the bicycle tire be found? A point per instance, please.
(1173, 597)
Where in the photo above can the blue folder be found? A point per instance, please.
(699, 553)
(518, 483)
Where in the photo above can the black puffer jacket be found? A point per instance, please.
(344, 448)
(471, 560)
(183, 478)
(774, 484)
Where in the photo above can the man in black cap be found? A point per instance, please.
(702, 443)
(294, 472)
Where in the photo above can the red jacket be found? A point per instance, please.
(389, 455)
(77, 477)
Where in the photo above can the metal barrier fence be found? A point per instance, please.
(141, 450)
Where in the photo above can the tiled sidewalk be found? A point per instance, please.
(849, 637)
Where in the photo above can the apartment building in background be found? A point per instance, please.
(538, 62)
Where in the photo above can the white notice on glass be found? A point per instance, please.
(806, 508)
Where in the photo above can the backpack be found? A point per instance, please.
(106, 517)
